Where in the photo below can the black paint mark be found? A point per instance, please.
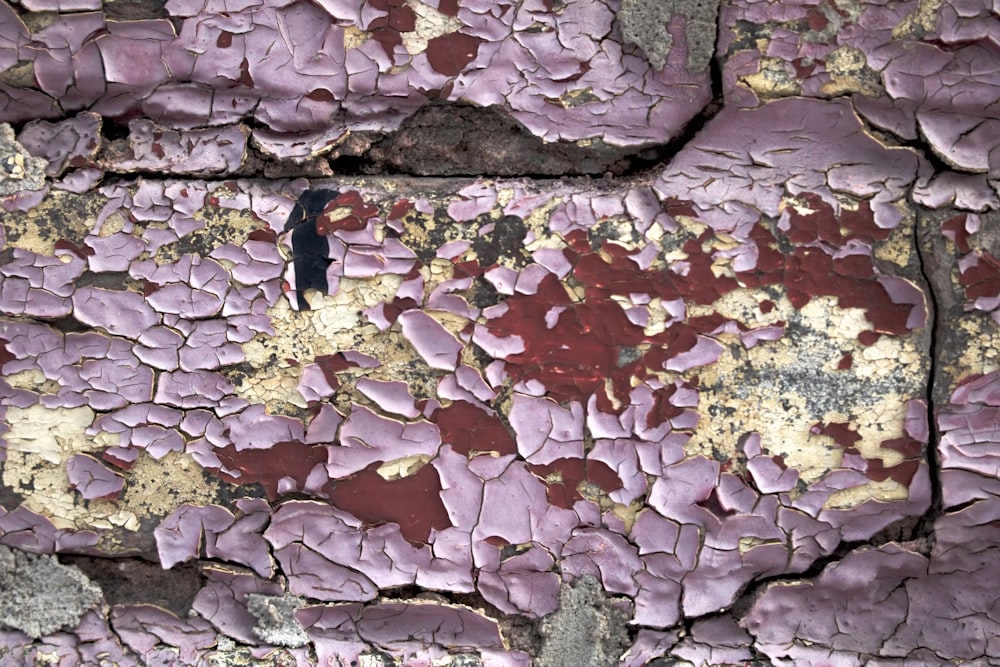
(309, 248)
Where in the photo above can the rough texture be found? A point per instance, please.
(40, 596)
(19, 170)
(276, 622)
(587, 629)
(733, 402)
(644, 23)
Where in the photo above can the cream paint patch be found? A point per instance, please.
(60, 215)
(898, 248)
(156, 488)
(334, 323)
(981, 353)
(354, 37)
(781, 389)
(773, 79)
(404, 467)
(40, 442)
(32, 379)
(922, 20)
(430, 23)
(850, 73)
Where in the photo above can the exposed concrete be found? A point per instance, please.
(586, 629)
(40, 595)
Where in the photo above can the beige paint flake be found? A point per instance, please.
(34, 380)
(404, 467)
(849, 73)
(40, 442)
(781, 389)
(333, 324)
(773, 79)
(61, 215)
(430, 23)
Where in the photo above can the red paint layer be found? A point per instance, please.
(563, 478)
(449, 54)
(268, 466)
(469, 429)
(413, 503)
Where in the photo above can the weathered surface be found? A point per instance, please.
(738, 407)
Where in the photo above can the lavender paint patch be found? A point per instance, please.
(920, 74)
(372, 60)
(466, 502)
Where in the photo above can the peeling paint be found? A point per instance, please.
(388, 420)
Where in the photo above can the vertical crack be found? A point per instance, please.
(924, 247)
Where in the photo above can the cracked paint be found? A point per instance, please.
(736, 407)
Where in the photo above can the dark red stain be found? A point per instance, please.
(468, 428)
(449, 54)
(5, 354)
(349, 223)
(82, 251)
(331, 364)
(245, 77)
(400, 16)
(225, 40)
(714, 505)
(876, 469)
(400, 209)
(810, 271)
(673, 206)
(574, 356)
(903, 472)
(663, 410)
(413, 503)
(868, 337)
(956, 226)
(841, 432)
(822, 224)
(846, 362)
(356, 220)
(392, 310)
(573, 472)
(467, 269)
(861, 224)
(803, 70)
(816, 20)
(708, 323)
(267, 466)
(265, 235)
(386, 30)
(321, 95)
(448, 7)
(389, 39)
(982, 280)
(907, 446)
(770, 260)
(766, 306)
